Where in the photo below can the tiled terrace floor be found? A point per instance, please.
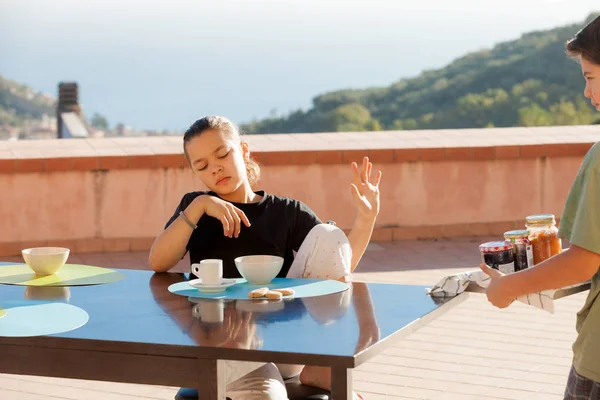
(472, 352)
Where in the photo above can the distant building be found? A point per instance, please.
(96, 133)
(69, 117)
(9, 133)
(37, 129)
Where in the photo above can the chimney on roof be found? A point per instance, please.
(68, 102)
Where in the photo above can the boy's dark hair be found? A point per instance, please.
(586, 43)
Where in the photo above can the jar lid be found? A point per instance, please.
(492, 247)
(519, 233)
(540, 219)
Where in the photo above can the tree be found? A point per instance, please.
(524, 82)
(99, 121)
(534, 115)
(410, 124)
(564, 113)
(373, 125)
(349, 117)
(397, 125)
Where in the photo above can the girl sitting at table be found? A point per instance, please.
(231, 220)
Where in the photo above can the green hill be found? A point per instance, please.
(525, 82)
(19, 103)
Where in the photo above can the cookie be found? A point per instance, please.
(285, 292)
(257, 293)
(271, 294)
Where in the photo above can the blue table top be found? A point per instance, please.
(140, 309)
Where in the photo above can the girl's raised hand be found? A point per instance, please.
(364, 191)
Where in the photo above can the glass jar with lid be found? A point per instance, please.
(498, 255)
(521, 247)
(543, 235)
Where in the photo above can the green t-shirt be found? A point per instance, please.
(580, 224)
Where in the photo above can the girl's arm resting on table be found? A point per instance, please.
(170, 246)
(570, 267)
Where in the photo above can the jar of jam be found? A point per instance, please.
(498, 255)
(522, 248)
(543, 235)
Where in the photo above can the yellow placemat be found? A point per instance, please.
(2, 312)
(68, 275)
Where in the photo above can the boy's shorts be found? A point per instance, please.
(580, 388)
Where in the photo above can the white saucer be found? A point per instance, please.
(197, 283)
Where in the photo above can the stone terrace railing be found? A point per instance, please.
(95, 195)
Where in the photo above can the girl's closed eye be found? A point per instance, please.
(219, 157)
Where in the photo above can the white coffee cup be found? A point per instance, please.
(209, 270)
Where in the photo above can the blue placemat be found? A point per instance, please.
(302, 288)
(39, 318)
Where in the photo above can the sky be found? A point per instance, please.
(163, 64)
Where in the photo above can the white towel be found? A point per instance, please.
(455, 284)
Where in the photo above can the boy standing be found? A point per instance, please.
(580, 224)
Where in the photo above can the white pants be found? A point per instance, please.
(264, 383)
(326, 254)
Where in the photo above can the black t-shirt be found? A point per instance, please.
(279, 225)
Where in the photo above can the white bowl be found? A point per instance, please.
(259, 270)
(45, 260)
